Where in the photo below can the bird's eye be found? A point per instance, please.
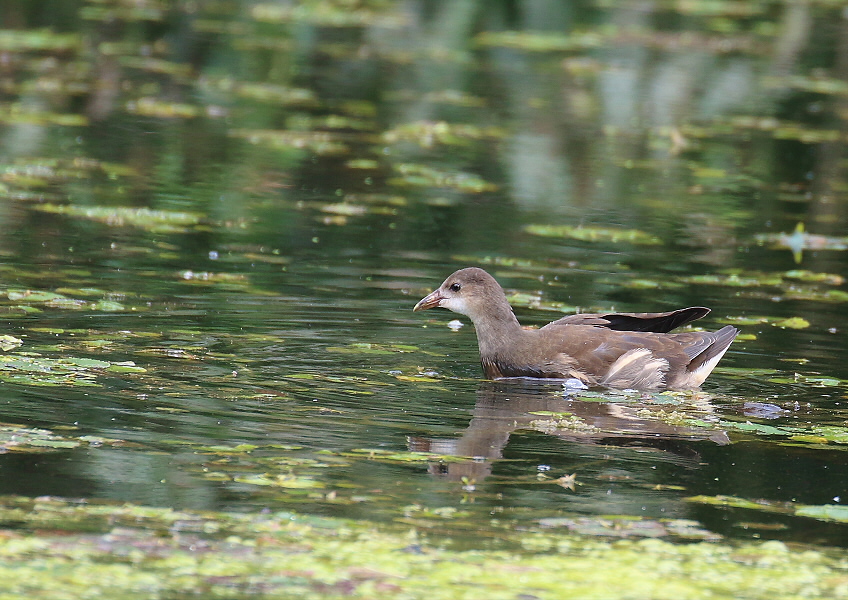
(455, 287)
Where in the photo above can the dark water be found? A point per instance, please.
(282, 318)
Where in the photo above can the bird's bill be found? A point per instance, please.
(432, 300)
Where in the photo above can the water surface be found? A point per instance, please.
(251, 344)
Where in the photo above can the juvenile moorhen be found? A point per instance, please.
(618, 350)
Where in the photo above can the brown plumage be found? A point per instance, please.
(619, 350)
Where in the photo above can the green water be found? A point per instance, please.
(313, 171)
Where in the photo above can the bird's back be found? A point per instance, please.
(619, 359)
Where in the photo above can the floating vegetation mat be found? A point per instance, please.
(55, 548)
(684, 409)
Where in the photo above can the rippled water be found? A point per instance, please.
(282, 317)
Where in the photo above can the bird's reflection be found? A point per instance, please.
(505, 406)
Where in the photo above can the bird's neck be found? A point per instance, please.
(496, 327)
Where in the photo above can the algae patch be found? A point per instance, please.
(70, 371)
(594, 234)
(98, 550)
(833, 513)
(160, 221)
(20, 439)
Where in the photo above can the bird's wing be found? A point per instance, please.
(656, 322)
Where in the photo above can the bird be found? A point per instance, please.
(613, 350)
